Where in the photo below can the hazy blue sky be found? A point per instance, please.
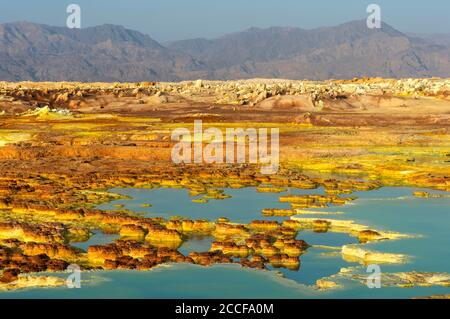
(167, 20)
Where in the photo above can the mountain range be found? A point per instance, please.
(110, 53)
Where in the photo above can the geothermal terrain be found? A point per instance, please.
(64, 144)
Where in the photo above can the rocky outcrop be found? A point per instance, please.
(314, 201)
(226, 229)
(263, 189)
(283, 260)
(230, 248)
(98, 254)
(209, 258)
(133, 231)
(32, 232)
(127, 254)
(9, 275)
(13, 258)
(52, 250)
(263, 225)
(191, 226)
(267, 212)
(162, 235)
(365, 236)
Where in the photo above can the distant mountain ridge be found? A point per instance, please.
(104, 53)
(110, 53)
(275, 42)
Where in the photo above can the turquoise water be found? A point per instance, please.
(192, 281)
(244, 206)
(196, 243)
(396, 210)
(98, 238)
(393, 209)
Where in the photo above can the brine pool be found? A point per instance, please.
(390, 209)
